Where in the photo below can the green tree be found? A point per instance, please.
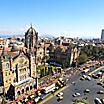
(93, 51)
(87, 49)
(82, 58)
(96, 51)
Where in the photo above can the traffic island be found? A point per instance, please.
(80, 101)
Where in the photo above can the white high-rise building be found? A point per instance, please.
(102, 34)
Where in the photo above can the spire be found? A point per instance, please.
(31, 25)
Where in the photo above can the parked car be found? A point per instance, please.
(102, 100)
(73, 82)
(88, 78)
(94, 76)
(60, 98)
(100, 92)
(97, 101)
(76, 94)
(100, 83)
(82, 78)
(86, 91)
(99, 74)
(102, 70)
(59, 94)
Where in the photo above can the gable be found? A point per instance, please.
(21, 59)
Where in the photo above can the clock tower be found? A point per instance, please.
(31, 38)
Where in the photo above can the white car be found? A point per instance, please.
(84, 76)
(73, 82)
(97, 101)
(88, 78)
(60, 94)
(100, 92)
(86, 91)
(76, 94)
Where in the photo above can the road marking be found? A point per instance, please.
(96, 70)
(51, 96)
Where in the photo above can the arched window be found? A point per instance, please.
(22, 91)
(30, 87)
(27, 88)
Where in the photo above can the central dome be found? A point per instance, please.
(31, 31)
(31, 38)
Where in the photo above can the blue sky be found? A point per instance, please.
(72, 18)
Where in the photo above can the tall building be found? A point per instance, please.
(31, 37)
(102, 34)
(18, 67)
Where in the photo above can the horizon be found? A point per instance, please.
(83, 19)
(6, 36)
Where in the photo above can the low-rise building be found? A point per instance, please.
(63, 55)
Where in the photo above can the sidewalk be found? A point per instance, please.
(46, 81)
(51, 96)
(96, 70)
(49, 80)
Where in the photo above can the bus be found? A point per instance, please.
(49, 88)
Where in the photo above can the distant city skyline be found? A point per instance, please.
(71, 18)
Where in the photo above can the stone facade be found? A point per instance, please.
(18, 66)
(63, 55)
(17, 72)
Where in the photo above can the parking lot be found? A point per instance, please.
(94, 90)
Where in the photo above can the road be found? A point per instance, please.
(80, 86)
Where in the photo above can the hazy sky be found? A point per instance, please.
(73, 18)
